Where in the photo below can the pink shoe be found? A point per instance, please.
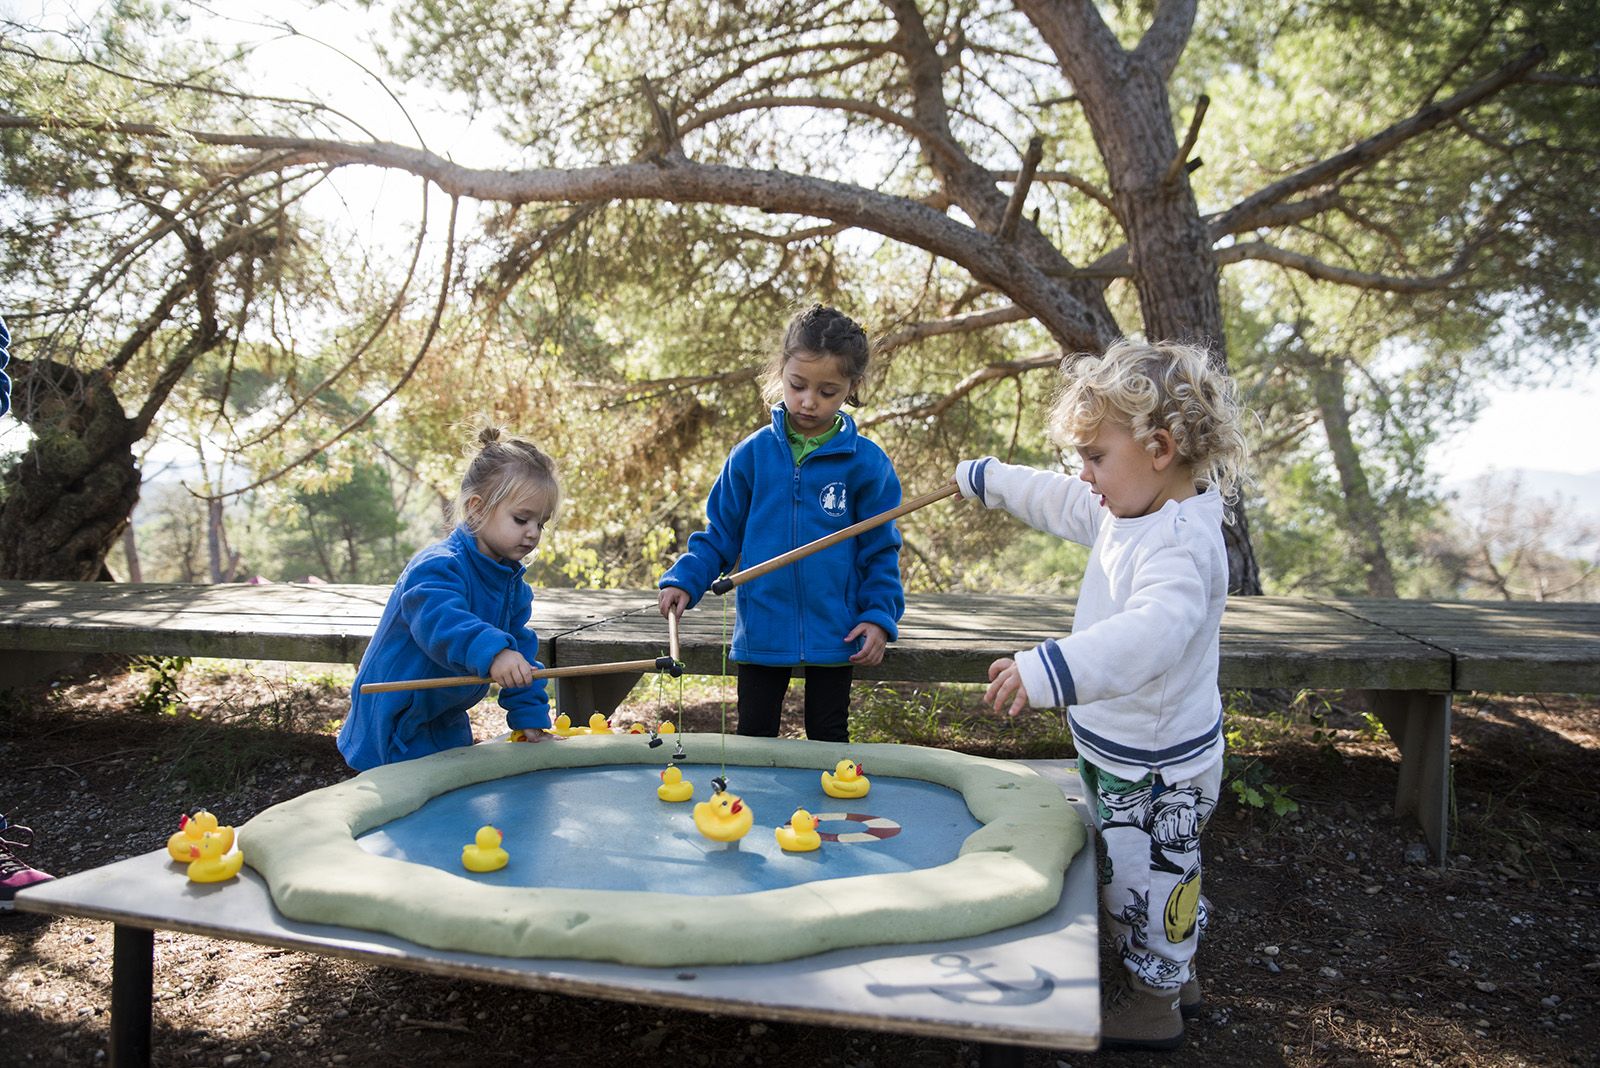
(14, 873)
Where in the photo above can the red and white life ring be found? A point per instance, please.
(873, 828)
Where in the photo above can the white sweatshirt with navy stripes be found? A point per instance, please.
(1138, 673)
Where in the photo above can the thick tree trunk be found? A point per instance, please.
(1124, 96)
(66, 501)
(1361, 517)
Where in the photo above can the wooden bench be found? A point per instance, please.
(1411, 656)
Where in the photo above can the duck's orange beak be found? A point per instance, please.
(738, 807)
(194, 852)
(816, 821)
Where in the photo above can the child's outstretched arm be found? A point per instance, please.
(713, 550)
(1050, 501)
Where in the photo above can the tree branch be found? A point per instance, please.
(1019, 191)
(1573, 81)
(1277, 215)
(1009, 270)
(1181, 157)
(390, 312)
(1367, 152)
(1163, 43)
(959, 324)
(358, 421)
(887, 116)
(938, 406)
(1082, 185)
(1389, 283)
(652, 389)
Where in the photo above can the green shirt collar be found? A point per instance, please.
(802, 446)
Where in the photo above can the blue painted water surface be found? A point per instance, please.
(604, 829)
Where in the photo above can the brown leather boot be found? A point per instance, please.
(1133, 1017)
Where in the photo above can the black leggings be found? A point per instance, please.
(761, 690)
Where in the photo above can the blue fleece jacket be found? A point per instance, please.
(452, 611)
(764, 504)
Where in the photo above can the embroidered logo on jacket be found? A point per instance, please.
(832, 499)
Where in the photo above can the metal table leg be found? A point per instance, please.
(991, 1055)
(132, 974)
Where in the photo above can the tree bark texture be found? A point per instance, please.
(1360, 511)
(66, 501)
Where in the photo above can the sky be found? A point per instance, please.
(1549, 429)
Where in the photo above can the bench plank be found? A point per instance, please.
(329, 623)
(953, 637)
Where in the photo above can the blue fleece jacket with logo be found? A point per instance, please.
(764, 504)
(452, 611)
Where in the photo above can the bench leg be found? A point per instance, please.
(22, 667)
(993, 1055)
(1419, 723)
(132, 974)
(580, 696)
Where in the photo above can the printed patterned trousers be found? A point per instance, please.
(1150, 868)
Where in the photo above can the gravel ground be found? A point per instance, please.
(1334, 941)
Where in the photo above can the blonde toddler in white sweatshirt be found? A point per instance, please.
(1157, 429)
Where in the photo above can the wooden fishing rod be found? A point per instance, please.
(670, 664)
(728, 582)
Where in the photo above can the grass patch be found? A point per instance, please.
(952, 716)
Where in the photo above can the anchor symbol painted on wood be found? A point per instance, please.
(974, 993)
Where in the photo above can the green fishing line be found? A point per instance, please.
(725, 601)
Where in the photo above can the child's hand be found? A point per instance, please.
(1005, 687)
(536, 734)
(874, 638)
(673, 601)
(510, 668)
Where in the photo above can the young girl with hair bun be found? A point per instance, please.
(461, 607)
(804, 475)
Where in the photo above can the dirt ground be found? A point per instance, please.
(1333, 940)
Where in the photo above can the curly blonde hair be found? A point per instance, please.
(1151, 386)
(503, 467)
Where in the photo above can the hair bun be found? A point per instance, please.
(489, 435)
(841, 331)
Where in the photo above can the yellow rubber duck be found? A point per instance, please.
(207, 862)
(598, 724)
(190, 828)
(845, 781)
(485, 854)
(563, 726)
(800, 836)
(667, 728)
(674, 787)
(724, 818)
